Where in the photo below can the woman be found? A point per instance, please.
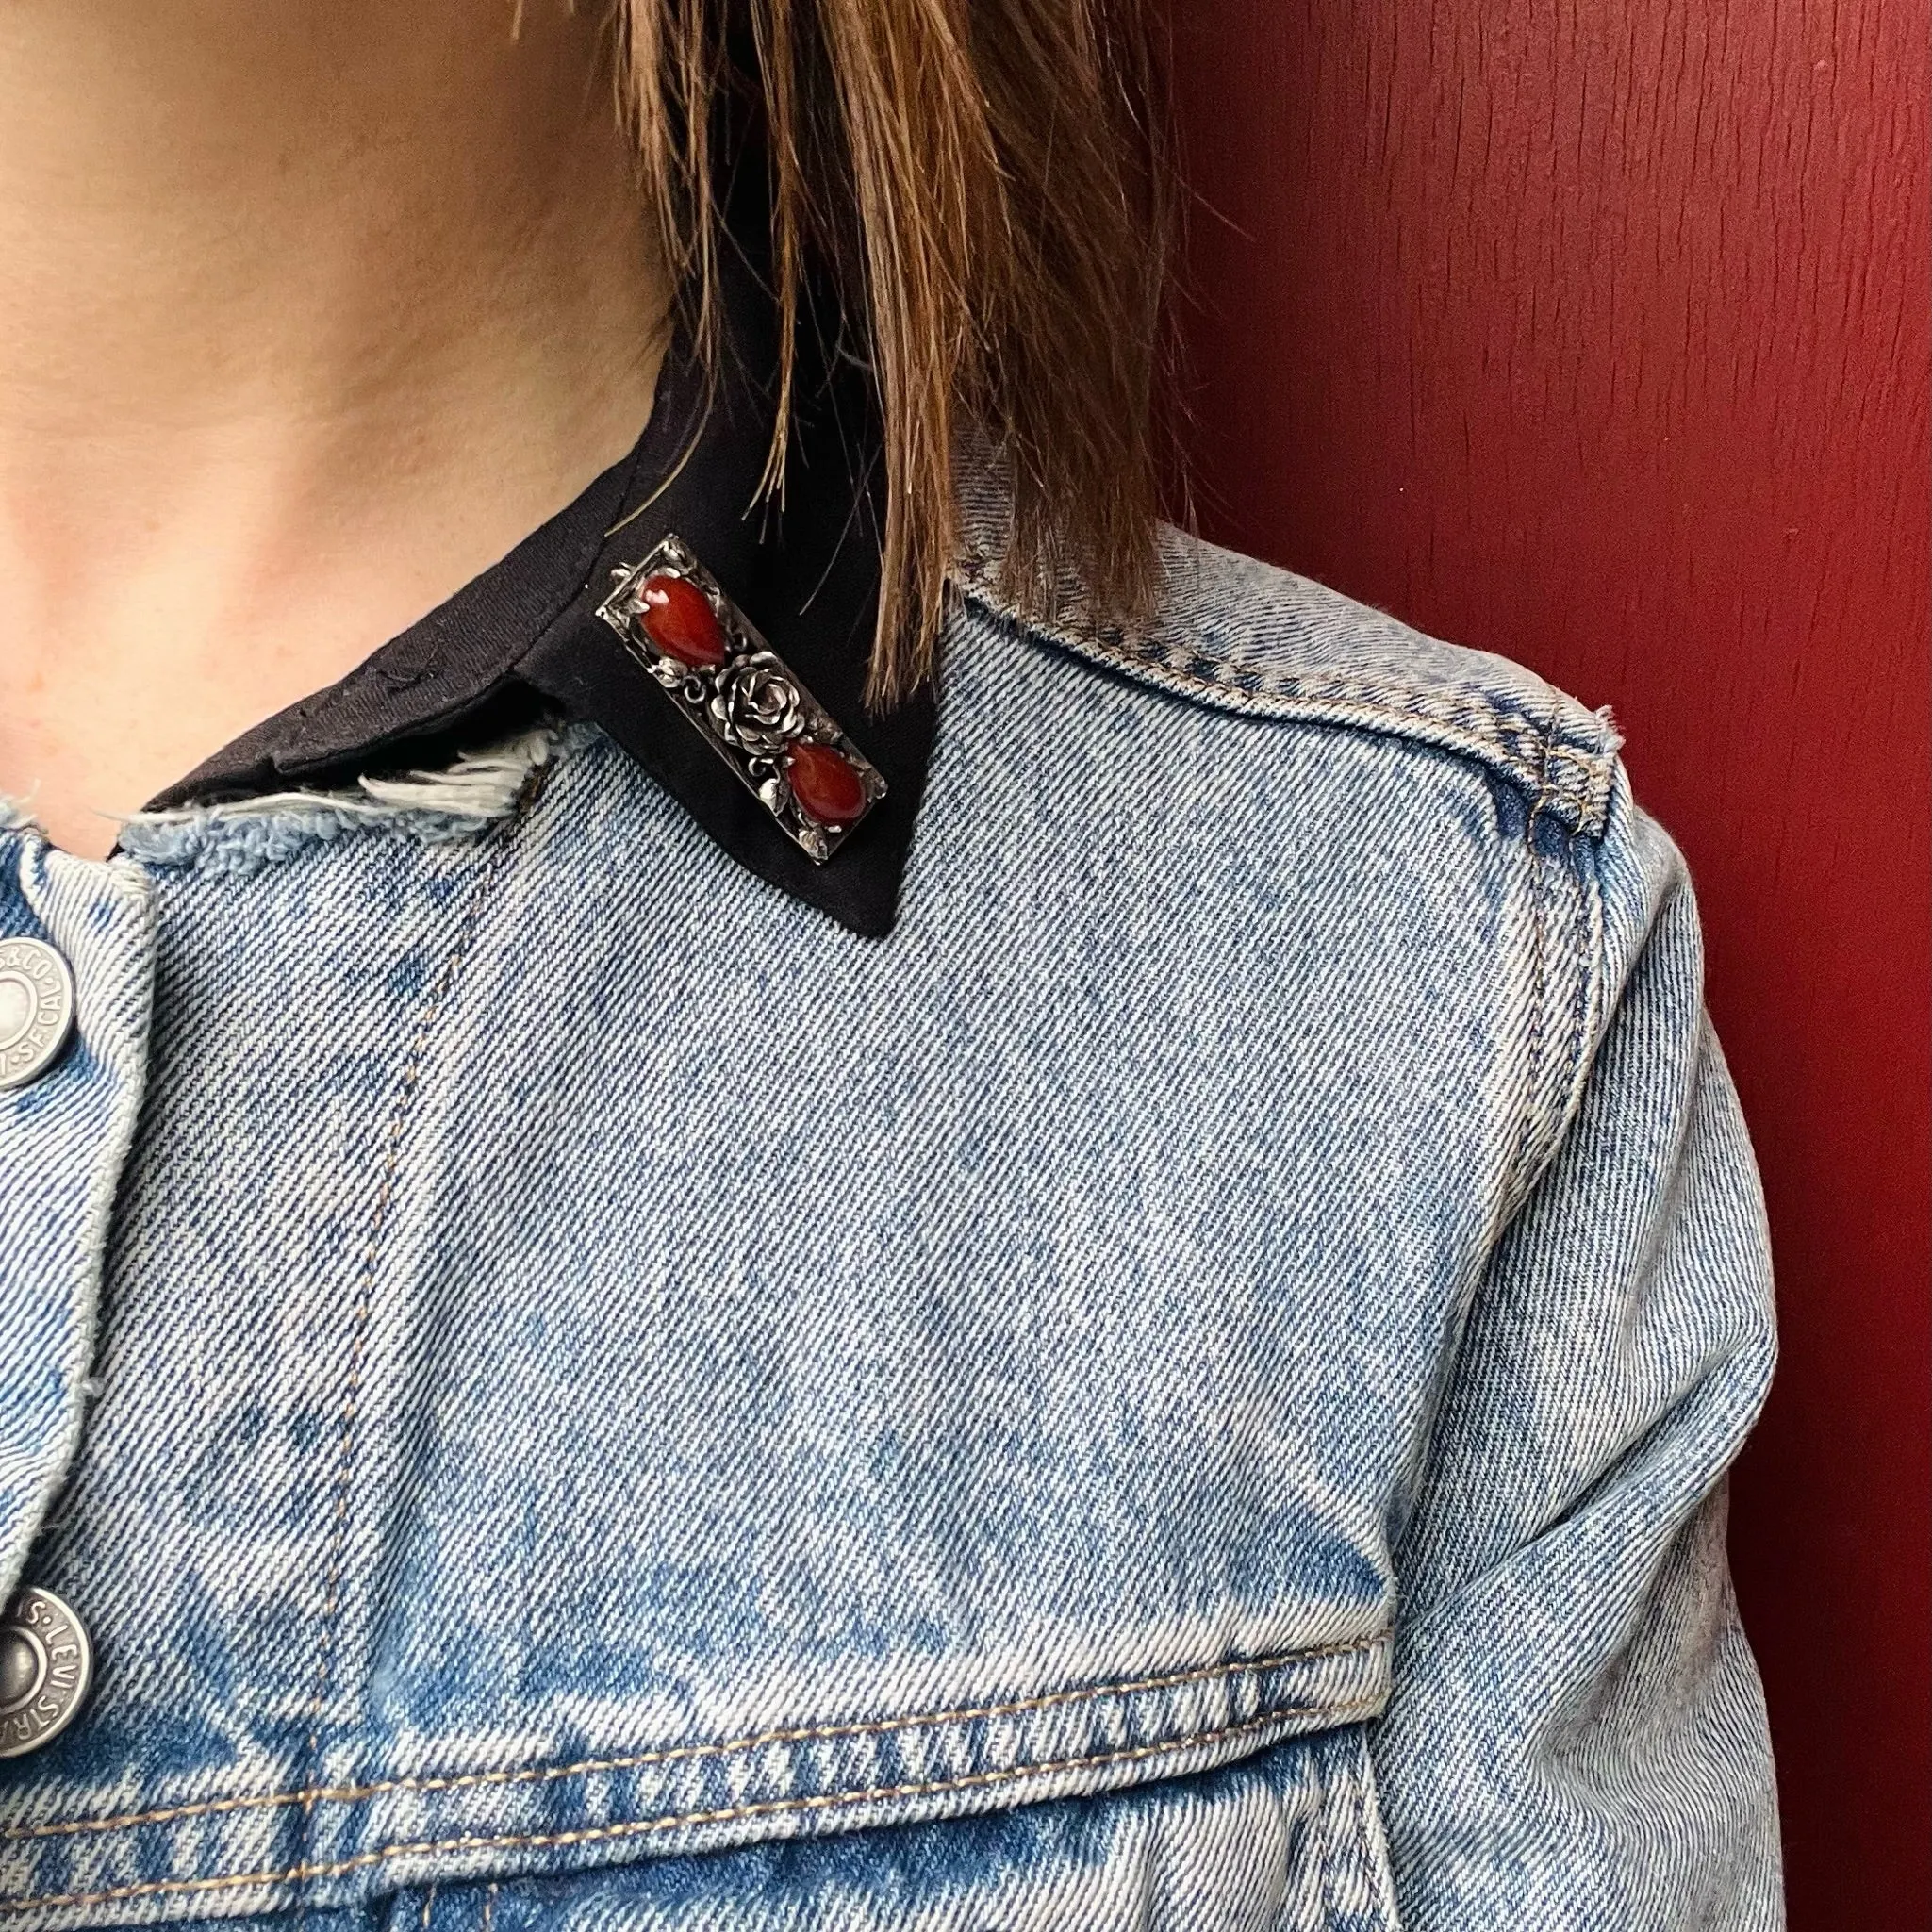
(864, 1197)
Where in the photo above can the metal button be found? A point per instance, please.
(46, 1665)
(36, 1010)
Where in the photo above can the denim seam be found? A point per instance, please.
(1556, 1053)
(638, 1827)
(1581, 1004)
(1570, 779)
(1539, 998)
(400, 1112)
(1374, 1849)
(1325, 1852)
(1052, 1700)
(1590, 1002)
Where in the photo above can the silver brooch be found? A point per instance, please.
(746, 700)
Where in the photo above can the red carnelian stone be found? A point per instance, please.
(679, 620)
(826, 785)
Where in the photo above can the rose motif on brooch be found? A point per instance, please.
(756, 706)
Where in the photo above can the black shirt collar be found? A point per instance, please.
(524, 637)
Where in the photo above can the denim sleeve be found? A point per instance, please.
(1577, 1736)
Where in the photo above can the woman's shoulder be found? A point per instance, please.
(1268, 771)
(1250, 641)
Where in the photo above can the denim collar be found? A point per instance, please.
(524, 637)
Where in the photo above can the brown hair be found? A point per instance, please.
(984, 180)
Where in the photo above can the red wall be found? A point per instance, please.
(1598, 336)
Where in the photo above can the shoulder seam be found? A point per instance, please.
(1566, 776)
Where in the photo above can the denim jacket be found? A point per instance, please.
(1187, 1387)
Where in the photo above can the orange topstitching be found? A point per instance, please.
(676, 1754)
(636, 1827)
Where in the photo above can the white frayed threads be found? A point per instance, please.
(477, 788)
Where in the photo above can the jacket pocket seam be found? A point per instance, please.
(811, 1802)
(313, 1794)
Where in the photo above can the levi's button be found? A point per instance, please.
(46, 1663)
(36, 1010)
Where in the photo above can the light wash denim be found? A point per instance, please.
(1187, 1389)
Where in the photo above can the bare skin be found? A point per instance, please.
(311, 310)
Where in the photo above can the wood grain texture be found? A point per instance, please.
(1598, 337)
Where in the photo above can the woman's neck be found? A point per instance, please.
(309, 313)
